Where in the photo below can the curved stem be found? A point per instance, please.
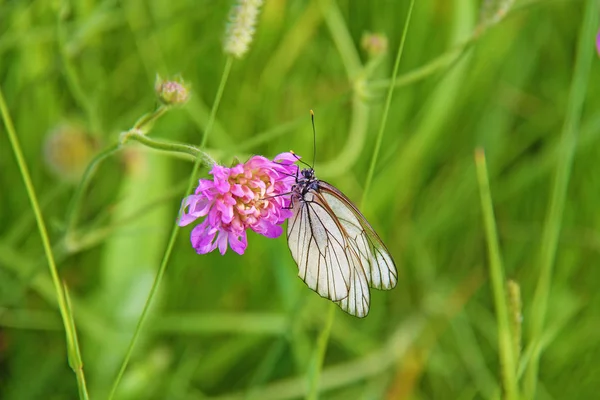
(147, 120)
(75, 204)
(168, 146)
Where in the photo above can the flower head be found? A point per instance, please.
(246, 196)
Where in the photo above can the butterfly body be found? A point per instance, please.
(338, 253)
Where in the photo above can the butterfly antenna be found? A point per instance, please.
(312, 119)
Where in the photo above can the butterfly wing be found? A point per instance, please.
(327, 256)
(319, 248)
(375, 258)
(338, 253)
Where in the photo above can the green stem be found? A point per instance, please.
(559, 192)
(173, 237)
(342, 38)
(354, 145)
(75, 354)
(74, 208)
(440, 62)
(147, 120)
(422, 72)
(388, 102)
(60, 296)
(213, 112)
(322, 341)
(505, 337)
(181, 148)
(142, 126)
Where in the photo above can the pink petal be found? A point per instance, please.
(237, 170)
(198, 207)
(204, 185)
(226, 211)
(222, 186)
(287, 156)
(202, 238)
(238, 242)
(237, 190)
(222, 242)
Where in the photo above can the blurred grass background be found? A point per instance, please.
(241, 327)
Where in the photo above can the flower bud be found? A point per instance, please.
(171, 92)
(375, 44)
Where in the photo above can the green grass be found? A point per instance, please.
(520, 86)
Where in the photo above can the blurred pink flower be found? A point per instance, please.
(237, 199)
(598, 42)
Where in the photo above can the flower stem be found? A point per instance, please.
(181, 148)
(173, 237)
(319, 356)
(213, 112)
(342, 38)
(552, 224)
(60, 296)
(147, 120)
(388, 102)
(74, 208)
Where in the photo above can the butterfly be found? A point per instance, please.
(339, 255)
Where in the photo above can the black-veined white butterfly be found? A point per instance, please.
(339, 255)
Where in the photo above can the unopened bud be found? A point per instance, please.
(171, 92)
(374, 44)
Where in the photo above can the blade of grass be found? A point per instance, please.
(74, 353)
(559, 192)
(505, 342)
(388, 102)
(174, 232)
(60, 296)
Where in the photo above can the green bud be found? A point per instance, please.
(171, 92)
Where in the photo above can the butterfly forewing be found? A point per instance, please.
(318, 246)
(376, 259)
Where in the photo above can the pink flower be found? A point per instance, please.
(246, 196)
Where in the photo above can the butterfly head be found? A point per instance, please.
(305, 182)
(307, 174)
